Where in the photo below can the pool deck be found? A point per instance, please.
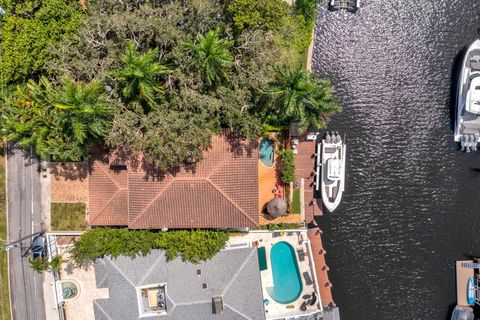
(267, 180)
(298, 239)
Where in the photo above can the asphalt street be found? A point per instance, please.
(23, 196)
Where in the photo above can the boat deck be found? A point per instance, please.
(462, 276)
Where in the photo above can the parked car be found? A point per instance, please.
(39, 247)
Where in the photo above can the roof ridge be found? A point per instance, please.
(236, 311)
(150, 269)
(106, 205)
(101, 309)
(120, 272)
(150, 203)
(235, 276)
(109, 177)
(221, 164)
(230, 200)
(100, 283)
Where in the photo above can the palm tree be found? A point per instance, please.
(58, 122)
(301, 96)
(56, 263)
(211, 55)
(39, 264)
(140, 76)
(85, 112)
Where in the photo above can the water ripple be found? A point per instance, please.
(412, 205)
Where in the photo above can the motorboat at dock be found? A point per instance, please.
(331, 169)
(349, 5)
(467, 121)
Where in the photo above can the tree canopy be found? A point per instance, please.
(28, 31)
(59, 121)
(299, 95)
(156, 77)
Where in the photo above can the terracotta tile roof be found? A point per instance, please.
(108, 195)
(220, 191)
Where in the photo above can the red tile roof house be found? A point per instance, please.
(218, 192)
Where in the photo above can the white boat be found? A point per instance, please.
(462, 313)
(332, 167)
(349, 5)
(467, 120)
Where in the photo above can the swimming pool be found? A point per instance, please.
(287, 284)
(267, 152)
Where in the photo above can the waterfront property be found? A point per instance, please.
(288, 273)
(259, 275)
(228, 286)
(219, 191)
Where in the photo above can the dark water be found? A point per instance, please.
(412, 204)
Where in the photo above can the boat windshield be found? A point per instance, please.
(333, 169)
(473, 102)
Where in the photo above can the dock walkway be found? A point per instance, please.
(321, 267)
(305, 168)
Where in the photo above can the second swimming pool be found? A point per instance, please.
(287, 283)
(267, 151)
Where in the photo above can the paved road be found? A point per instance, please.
(23, 194)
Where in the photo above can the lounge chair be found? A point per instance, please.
(303, 307)
(312, 300)
(301, 255)
(308, 279)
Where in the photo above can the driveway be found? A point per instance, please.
(23, 198)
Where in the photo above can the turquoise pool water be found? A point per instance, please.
(267, 152)
(287, 284)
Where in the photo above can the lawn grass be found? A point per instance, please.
(4, 295)
(68, 216)
(296, 201)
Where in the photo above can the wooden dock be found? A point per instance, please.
(462, 276)
(321, 267)
(305, 168)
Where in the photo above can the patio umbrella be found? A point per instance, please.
(277, 207)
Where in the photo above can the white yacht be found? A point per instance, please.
(467, 121)
(331, 163)
(349, 5)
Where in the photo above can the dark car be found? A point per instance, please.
(39, 247)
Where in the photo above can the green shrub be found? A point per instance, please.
(258, 14)
(288, 166)
(192, 246)
(39, 264)
(280, 226)
(28, 30)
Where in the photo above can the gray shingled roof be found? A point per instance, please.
(232, 274)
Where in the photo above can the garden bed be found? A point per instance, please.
(295, 205)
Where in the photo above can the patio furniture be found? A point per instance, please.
(300, 238)
(301, 254)
(307, 296)
(312, 300)
(303, 307)
(308, 279)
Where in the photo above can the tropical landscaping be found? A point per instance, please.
(155, 77)
(158, 78)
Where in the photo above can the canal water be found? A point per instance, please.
(412, 201)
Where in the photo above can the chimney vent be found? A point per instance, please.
(217, 305)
